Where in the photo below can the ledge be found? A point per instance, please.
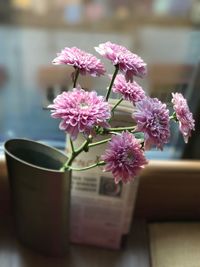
(168, 190)
(158, 166)
(135, 253)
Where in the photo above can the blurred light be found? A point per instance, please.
(195, 12)
(161, 7)
(94, 11)
(180, 7)
(122, 12)
(10, 134)
(73, 13)
(22, 4)
(40, 7)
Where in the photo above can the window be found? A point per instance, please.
(32, 32)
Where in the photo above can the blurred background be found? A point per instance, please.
(166, 33)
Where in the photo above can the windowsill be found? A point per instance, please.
(168, 190)
(135, 253)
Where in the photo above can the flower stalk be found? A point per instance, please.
(75, 153)
(117, 104)
(173, 117)
(99, 142)
(99, 163)
(121, 129)
(76, 74)
(112, 81)
(72, 145)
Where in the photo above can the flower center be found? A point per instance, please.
(156, 121)
(128, 157)
(83, 105)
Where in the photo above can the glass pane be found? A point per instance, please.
(164, 33)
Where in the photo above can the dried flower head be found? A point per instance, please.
(129, 64)
(152, 118)
(183, 115)
(80, 111)
(79, 59)
(131, 91)
(124, 157)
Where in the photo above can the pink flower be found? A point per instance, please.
(85, 62)
(129, 90)
(124, 157)
(129, 64)
(80, 111)
(152, 118)
(183, 115)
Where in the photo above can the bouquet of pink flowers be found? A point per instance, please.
(86, 113)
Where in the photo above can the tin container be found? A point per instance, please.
(40, 195)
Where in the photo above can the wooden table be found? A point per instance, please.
(135, 253)
(169, 190)
(13, 254)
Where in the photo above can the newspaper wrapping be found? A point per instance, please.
(101, 211)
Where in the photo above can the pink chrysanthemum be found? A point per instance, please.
(79, 59)
(152, 118)
(129, 64)
(124, 157)
(183, 115)
(80, 111)
(131, 91)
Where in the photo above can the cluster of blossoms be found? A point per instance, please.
(87, 113)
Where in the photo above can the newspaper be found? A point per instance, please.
(101, 211)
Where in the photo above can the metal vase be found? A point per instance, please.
(40, 195)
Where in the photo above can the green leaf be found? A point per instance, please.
(139, 135)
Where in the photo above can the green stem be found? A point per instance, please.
(112, 81)
(76, 77)
(99, 143)
(72, 145)
(120, 100)
(174, 118)
(120, 129)
(116, 133)
(100, 163)
(83, 146)
(75, 153)
(69, 161)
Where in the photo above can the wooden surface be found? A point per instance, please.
(169, 190)
(175, 244)
(13, 254)
(135, 253)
